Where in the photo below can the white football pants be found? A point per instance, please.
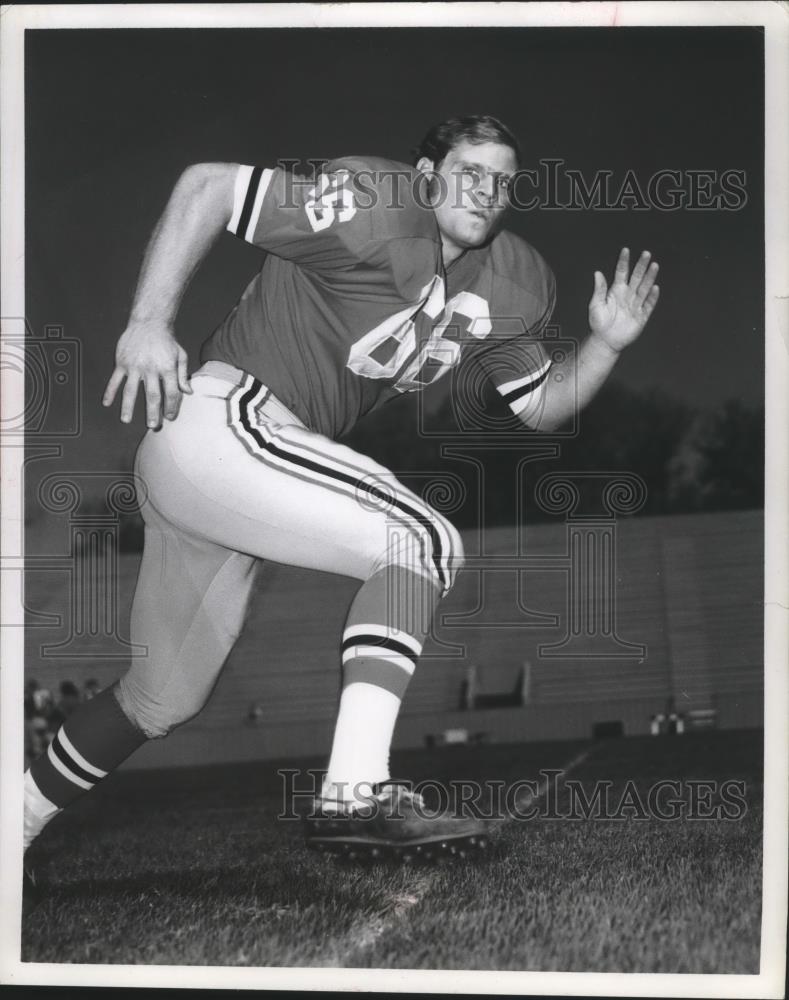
(237, 478)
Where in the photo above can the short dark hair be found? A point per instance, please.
(443, 137)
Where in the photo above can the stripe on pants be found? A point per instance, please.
(322, 469)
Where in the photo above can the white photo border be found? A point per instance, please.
(775, 20)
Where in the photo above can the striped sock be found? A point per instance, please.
(90, 743)
(386, 629)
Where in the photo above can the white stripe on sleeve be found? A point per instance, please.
(243, 176)
(525, 380)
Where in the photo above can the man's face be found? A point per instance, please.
(471, 195)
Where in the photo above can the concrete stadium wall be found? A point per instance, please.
(682, 619)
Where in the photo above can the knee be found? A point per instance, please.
(438, 555)
(448, 556)
(458, 556)
(154, 717)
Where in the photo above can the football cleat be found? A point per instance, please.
(393, 824)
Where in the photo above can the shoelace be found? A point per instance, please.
(389, 792)
(384, 793)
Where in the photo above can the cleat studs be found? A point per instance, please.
(453, 849)
(443, 845)
(418, 848)
(482, 843)
(462, 854)
(472, 840)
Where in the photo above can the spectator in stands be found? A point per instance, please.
(37, 734)
(90, 689)
(69, 701)
(40, 697)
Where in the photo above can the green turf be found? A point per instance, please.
(190, 867)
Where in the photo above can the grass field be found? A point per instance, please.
(191, 867)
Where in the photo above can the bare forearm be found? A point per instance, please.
(579, 384)
(198, 210)
(617, 316)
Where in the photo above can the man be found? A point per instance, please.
(379, 280)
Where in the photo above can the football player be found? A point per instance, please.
(378, 280)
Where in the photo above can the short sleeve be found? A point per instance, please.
(318, 223)
(516, 361)
(519, 369)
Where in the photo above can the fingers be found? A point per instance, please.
(160, 364)
(172, 396)
(622, 267)
(642, 281)
(112, 386)
(640, 269)
(129, 396)
(646, 283)
(153, 401)
(183, 376)
(176, 383)
(651, 300)
(153, 395)
(600, 286)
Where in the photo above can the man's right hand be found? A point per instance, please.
(149, 353)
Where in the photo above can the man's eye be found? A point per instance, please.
(471, 172)
(504, 184)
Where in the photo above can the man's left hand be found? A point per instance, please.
(618, 314)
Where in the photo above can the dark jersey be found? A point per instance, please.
(353, 306)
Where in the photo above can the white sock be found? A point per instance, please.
(362, 738)
(38, 811)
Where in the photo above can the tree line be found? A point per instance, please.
(690, 459)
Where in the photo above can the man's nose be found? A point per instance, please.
(486, 190)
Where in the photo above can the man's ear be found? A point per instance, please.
(425, 165)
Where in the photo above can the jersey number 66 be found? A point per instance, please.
(424, 344)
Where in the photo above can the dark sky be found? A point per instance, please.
(113, 116)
